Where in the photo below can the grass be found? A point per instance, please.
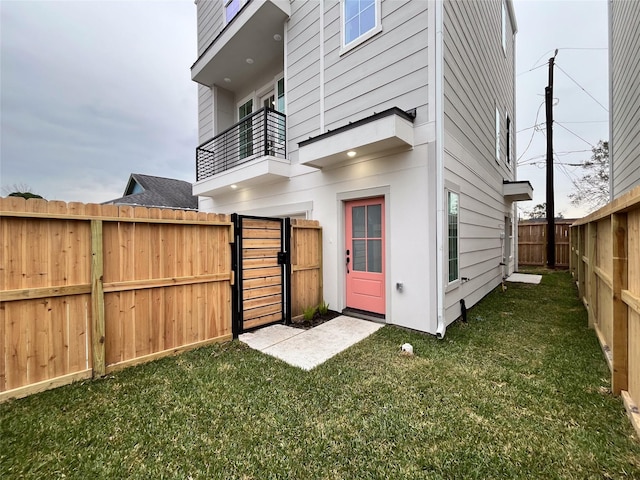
(521, 391)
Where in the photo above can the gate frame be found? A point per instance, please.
(284, 260)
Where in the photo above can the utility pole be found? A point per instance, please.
(551, 220)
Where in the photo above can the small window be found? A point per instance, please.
(497, 135)
(453, 222)
(504, 27)
(360, 20)
(508, 140)
(231, 9)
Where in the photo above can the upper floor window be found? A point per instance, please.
(497, 135)
(360, 21)
(504, 26)
(508, 139)
(231, 8)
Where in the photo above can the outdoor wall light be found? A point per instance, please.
(351, 153)
(250, 61)
(277, 37)
(227, 79)
(234, 186)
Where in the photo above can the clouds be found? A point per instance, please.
(92, 91)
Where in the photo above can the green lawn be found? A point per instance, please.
(521, 391)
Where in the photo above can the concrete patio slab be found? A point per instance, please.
(524, 278)
(307, 349)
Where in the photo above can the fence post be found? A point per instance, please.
(592, 307)
(619, 379)
(97, 299)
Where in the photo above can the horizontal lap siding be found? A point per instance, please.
(303, 72)
(626, 96)
(477, 78)
(210, 22)
(205, 114)
(386, 71)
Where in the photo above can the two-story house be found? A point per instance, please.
(391, 122)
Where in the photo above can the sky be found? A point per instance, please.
(92, 91)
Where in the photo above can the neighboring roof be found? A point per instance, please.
(157, 192)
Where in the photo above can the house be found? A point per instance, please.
(389, 122)
(624, 96)
(151, 191)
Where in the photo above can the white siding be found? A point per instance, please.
(210, 22)
(625, 95)
(303, 72)
(389, 70)
(478, 79)
(205, 114)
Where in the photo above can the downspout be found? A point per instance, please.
(439, 127)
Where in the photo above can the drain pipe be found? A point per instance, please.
(439, 132)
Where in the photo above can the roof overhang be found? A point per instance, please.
(381, 132)
(517, 191)
(252, 34)
(256, 172)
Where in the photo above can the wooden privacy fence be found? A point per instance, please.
(532, 243)
(86, 289)
(306, 265)
(605, 262)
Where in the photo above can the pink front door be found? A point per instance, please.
(364, 254)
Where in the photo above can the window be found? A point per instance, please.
(453, 220)
(360, 21)
(231, 8)
(508, 139)
(497, 135)
(504, 27)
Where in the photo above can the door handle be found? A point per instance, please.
(348, 260)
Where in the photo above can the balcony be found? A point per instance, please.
(249, 44)
(250, 152)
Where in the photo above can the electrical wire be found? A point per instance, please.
(582, 88)
(574, 134)
(532, 133)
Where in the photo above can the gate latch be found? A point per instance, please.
(283, 258)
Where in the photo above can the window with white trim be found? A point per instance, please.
(231, 9)
(508, 139)
(360, 20)
(453, 240)
(504, 27)
(497, 135)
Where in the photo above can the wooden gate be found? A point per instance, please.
(262, 269)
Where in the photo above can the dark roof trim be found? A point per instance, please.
(409, 115)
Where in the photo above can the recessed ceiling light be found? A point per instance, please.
(234, 186)
(227, 79)
(351, 153)
(249, 61)
(277, 37)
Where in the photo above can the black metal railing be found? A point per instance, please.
(260, 134)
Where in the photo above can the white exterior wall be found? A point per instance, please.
(326, 90)
(624, 111)
(478, 78)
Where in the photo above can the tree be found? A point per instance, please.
(26, 195)
(592, 190)
(539, 211)
(20, 190)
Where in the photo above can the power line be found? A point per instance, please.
(582, 88)
(575, 134)
(532, 133)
